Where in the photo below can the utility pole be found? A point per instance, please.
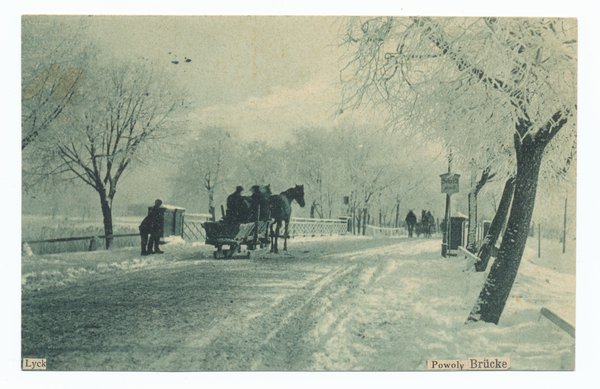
(449, 187)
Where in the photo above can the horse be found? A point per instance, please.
(430, 223)
(426, 225)
(280, 207)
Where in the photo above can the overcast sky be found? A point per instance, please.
(258, 77)
(261, 75)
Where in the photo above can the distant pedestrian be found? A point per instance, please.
(411, 220)
(237, 209)
(430, 223)
(151, 226)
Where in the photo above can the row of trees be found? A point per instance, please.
(376, 171)
(500, 93)
(87, 118)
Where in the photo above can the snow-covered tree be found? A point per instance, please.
(206, 165)
(317, 153)
(54, 56)
(482, 85)
(124, 111)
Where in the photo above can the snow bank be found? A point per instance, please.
(174, 240)
(57, 270)
(416, 311)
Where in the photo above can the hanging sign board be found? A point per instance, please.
(450, 183)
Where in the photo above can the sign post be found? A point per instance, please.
(449, 187)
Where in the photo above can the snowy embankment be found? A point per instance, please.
(416, 311)
(409, 304)
(54, 270)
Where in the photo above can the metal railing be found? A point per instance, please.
(95, 241)
(383, 231)
(317, 227)
(193, 231)
(192, 227)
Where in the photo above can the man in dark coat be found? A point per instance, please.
(151, 226)
(430, 222)
(411, 220)
(260, 201)
(236, 207)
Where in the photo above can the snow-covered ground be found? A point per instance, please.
(364, 304)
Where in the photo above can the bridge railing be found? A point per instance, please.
(383, 231)
(192, 230)
(317, 227)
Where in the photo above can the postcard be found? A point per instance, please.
(298, 193)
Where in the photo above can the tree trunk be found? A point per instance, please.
(364, 221)
(485, 251)
(444, 226)
(472, 235)
(211, 207)
(496, 290)
(106, 217)
(358, 220)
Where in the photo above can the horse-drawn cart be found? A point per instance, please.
(234, 236)
(248, 219)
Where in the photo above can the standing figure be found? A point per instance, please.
(430, 223)
(411, 220)
(259, 203)
(151, 226)
(236, 207)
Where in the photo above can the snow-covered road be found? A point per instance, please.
(328, 304)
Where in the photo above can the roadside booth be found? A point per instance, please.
(457, 231)
(171, 220)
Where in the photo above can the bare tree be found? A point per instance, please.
(205, 166)
(125, 110)
(317, 153)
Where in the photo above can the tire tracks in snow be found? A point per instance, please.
(266, 340)
(287, 334)
(294, 324)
